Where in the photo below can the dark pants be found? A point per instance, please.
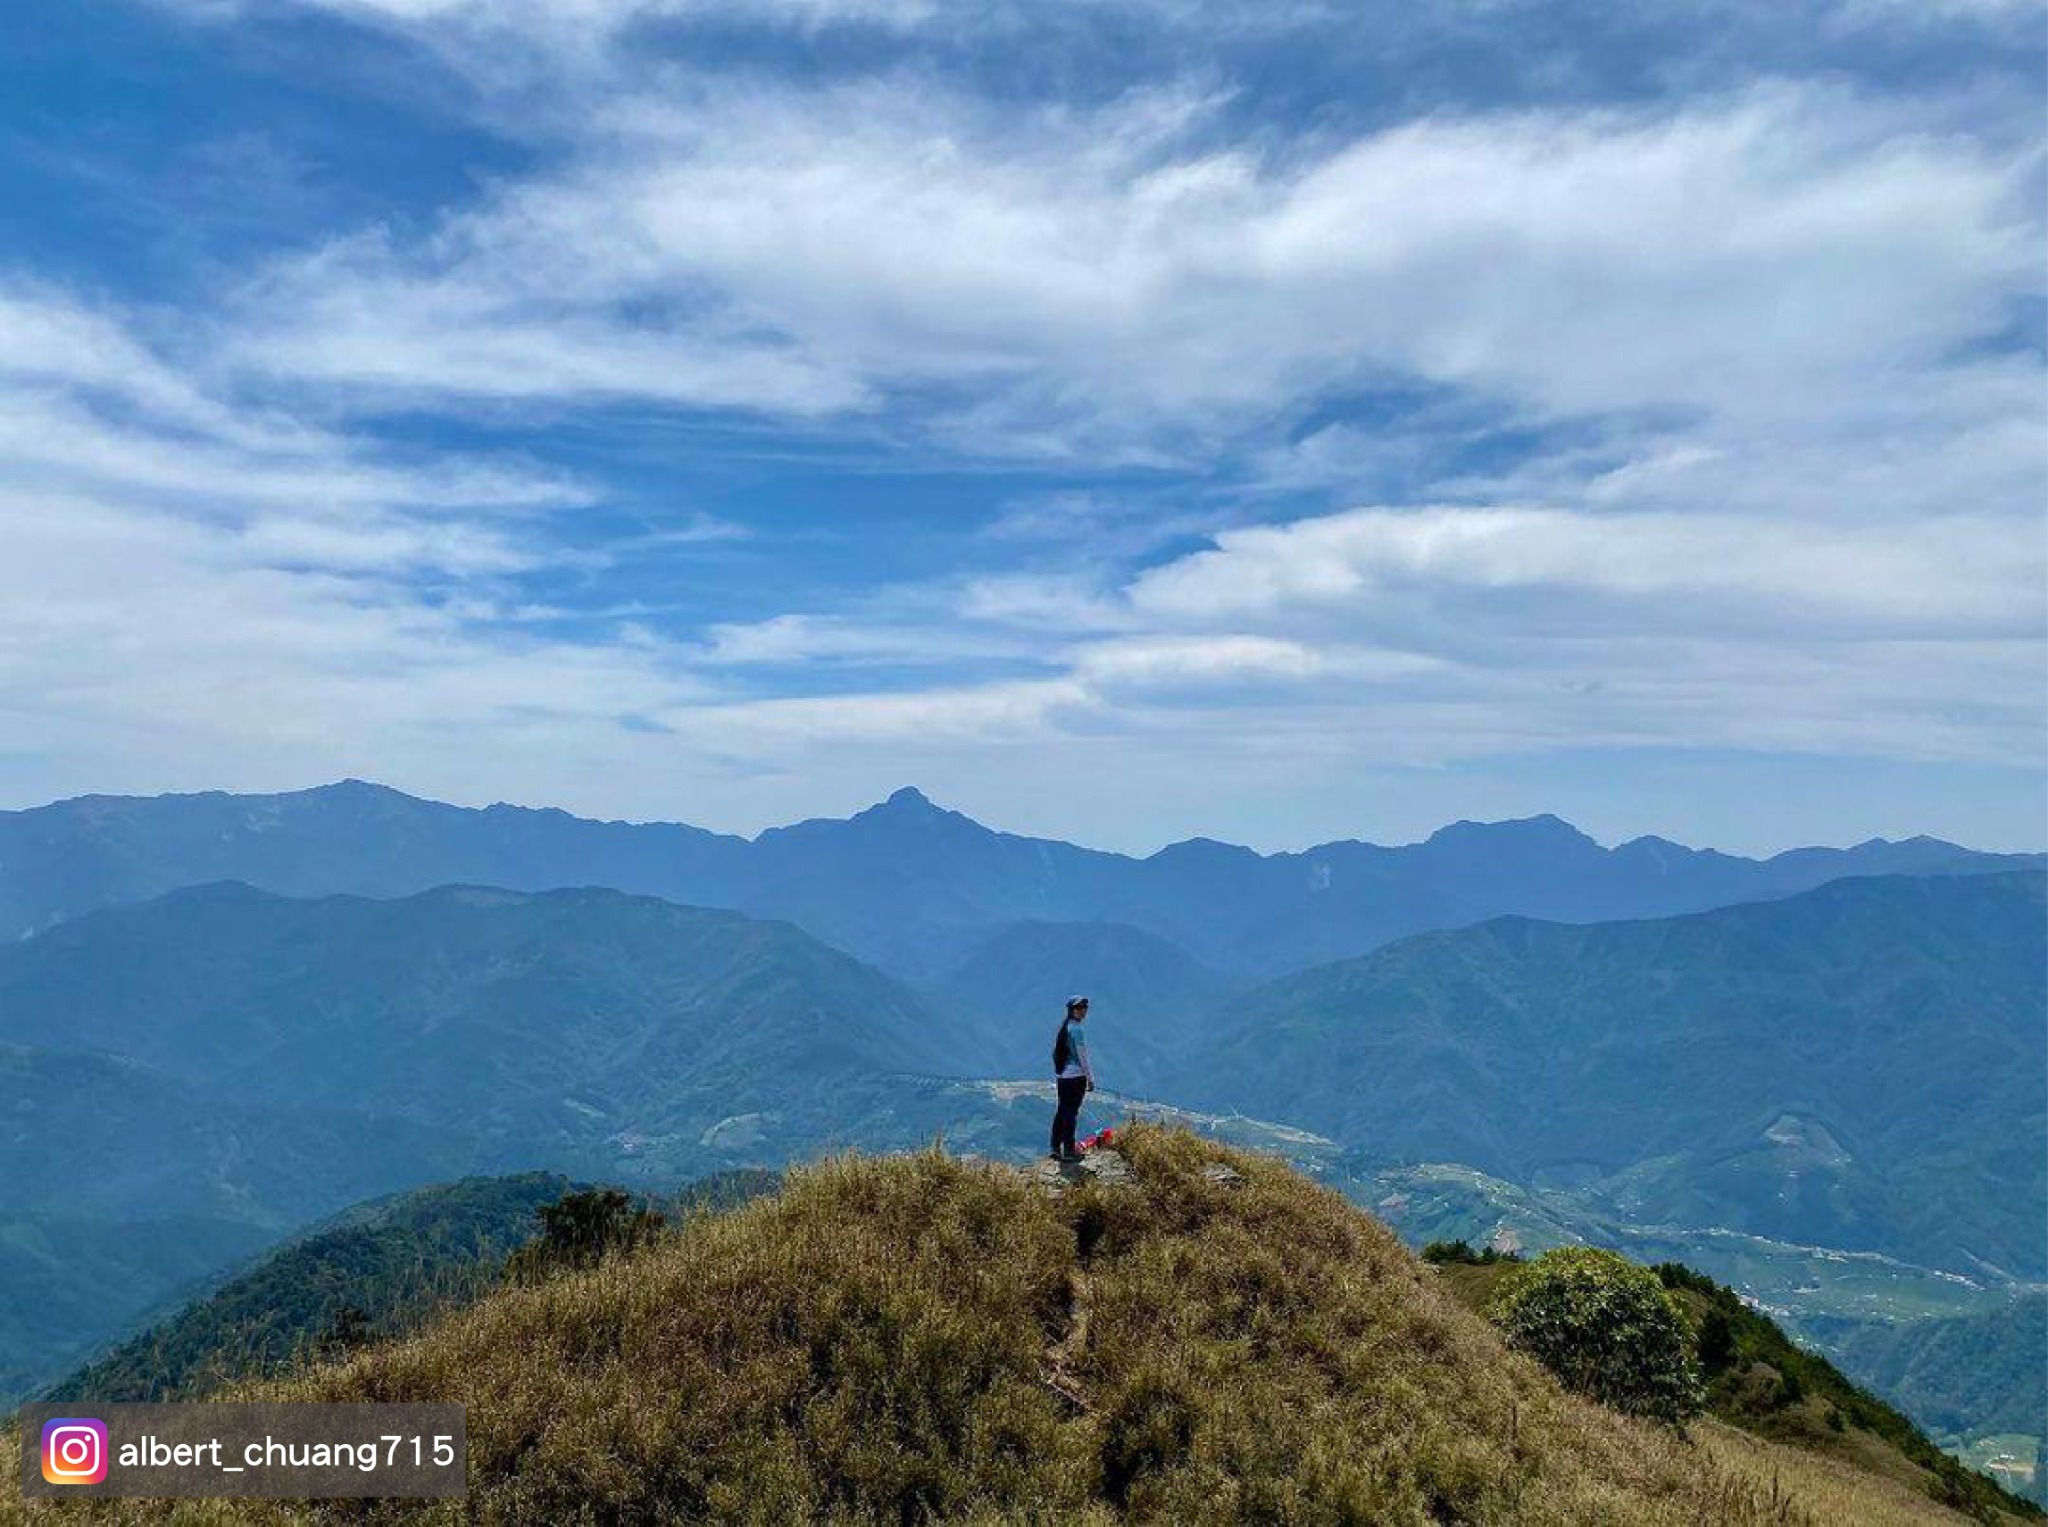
(1072, 1090)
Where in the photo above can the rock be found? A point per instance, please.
(1223, 1175)
(1107, 1167)
(1104, 1166)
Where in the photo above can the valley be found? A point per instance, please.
(1820, 1099)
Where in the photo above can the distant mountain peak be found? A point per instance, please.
(912, 805)
(907, 814)
(1212, 850)
(354, 786)
(1544, 828)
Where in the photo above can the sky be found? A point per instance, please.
(1124, 419)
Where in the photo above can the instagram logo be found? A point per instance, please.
(74, 1451)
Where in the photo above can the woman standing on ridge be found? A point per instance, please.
(1073, 1076)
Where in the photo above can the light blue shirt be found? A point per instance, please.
(1077, 1054)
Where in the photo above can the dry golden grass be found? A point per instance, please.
(925, 1339)
(1826, 1490)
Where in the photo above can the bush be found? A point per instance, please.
(1606, 1328)
(581, 1230)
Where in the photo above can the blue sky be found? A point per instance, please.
(1125, 419)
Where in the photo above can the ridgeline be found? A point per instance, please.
(924, 1338)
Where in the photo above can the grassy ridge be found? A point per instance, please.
(922, 1338)
(1765, 1389)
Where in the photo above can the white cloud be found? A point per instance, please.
(479, 319)
(1790, 503)
(1428, 638)
(83, 398)
(920, 637)
(1960, 573)
(562, 27)
(468, 26)
(1556, 629)
(191, 585)
(1116, 281)
(1165, 664)
(805, 728)
(1928, 15)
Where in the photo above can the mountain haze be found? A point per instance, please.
(1858, 1066)
(553, 1020)
(121, 1184)
(1942, 1371)
(903, 882)
(382, 1259)
(1156, 997)
(1830, 1096)
(93, 1134)
(194, 1076)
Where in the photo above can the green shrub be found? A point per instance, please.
(1606, 1327)
(581, 1229)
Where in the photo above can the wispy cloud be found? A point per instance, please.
(205, 585)
(1112, 279)
(1700, 412)
(1960, 574)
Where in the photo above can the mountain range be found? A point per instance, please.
(224, 1017)
(905, 885)
(1858, 1066)
(547, 1023)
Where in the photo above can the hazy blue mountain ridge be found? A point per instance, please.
(67, 1283)
(246, 1062)
(547, 1018)
(1155, 999)
(1858, 1066)
(88, 1133)
(379, 1257)
(904, 882)
(97, 851)
(121, 1184)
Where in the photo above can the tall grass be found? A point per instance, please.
(922, 1338)
(1815, 1490)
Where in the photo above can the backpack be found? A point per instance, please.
(1062, 1050)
